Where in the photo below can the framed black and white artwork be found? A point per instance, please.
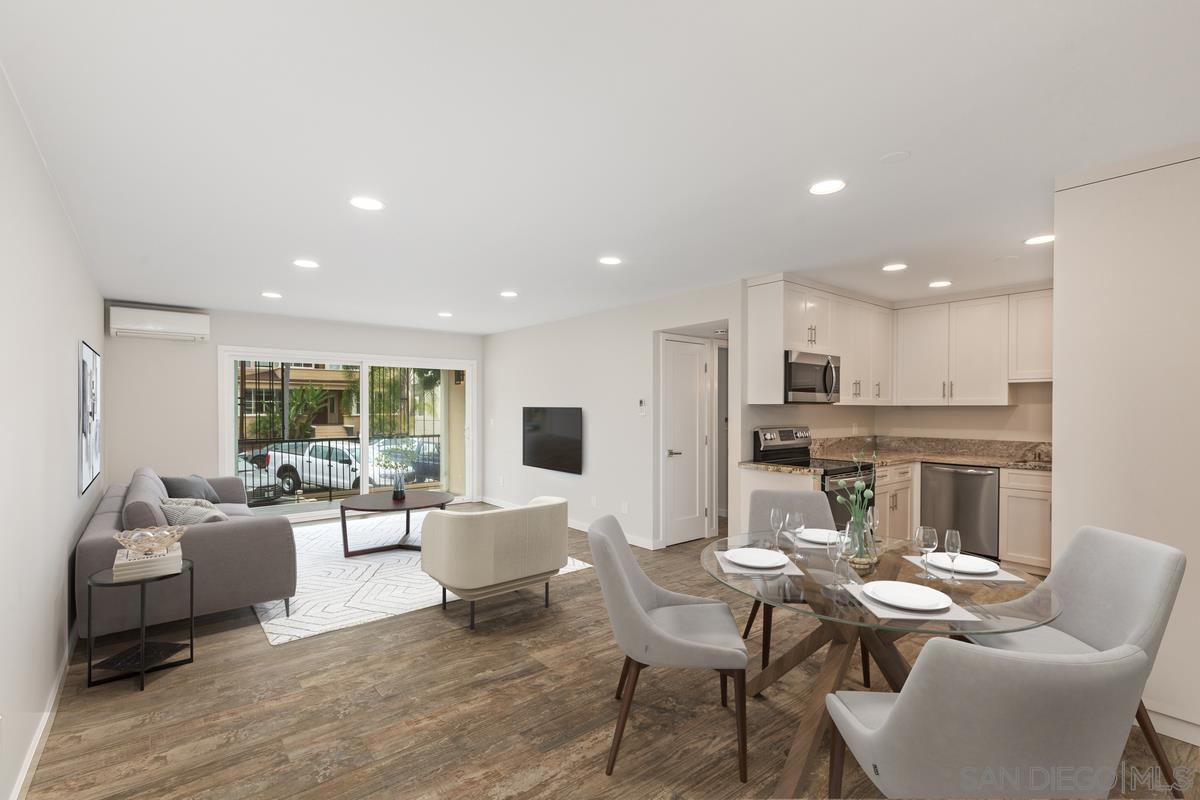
(89, 416)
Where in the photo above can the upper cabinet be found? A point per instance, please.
(953, 353)
(1030, 330)
(962, 353)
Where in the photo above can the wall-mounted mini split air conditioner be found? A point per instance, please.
(153, 323)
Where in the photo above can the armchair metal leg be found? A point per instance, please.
(739, 699)
(547, 594)
(837, 760)
(287, 606)
(472, 614)
(624, 675)
(635, 668)
(750, 620)
(443, 598)
(866, 662)
(1160, 753)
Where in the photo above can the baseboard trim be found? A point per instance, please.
(34, 754)
(1176, 728)
(574, 524)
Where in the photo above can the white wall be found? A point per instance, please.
(162, 396)
(1127, 379)
(51, 305)
(604, 363)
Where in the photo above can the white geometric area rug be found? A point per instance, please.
(334, 592)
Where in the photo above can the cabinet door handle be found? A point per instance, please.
(877, 390)
(951, 390)
(943, 389)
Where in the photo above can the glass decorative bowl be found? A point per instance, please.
(150, 540)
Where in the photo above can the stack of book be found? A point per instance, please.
(133, 566)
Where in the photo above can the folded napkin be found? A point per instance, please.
(955, 613)
(998, 577)
(731, 568)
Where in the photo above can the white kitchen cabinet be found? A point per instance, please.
(1030, 331)
(979, 352)
(781, 316)
(922, 355)
(894, 500)
(953, 353)
(1025, 519)
(809, 319)
(879, 385)
(862, 336)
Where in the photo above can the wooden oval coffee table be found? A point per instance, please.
(381, 502)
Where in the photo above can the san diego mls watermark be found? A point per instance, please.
(1087, 780)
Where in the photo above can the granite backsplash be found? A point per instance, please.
(1015, 451)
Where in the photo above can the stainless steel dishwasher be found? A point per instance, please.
(965, 498)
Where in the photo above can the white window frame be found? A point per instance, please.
(228, 355)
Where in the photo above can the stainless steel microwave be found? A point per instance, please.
(811, 377)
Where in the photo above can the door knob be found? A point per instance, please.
(674, 452)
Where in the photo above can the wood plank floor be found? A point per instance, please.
(419, 706)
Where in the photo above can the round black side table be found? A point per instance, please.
(145, 656)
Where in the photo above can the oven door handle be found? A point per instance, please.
(829, 367)
(830, 482)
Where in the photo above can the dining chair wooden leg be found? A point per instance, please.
(837, 760)
(724, 690)
(634, 669)
(739, 700)
(1156, 746)
(750, 620)
(624, 675)
(766, 650)
(866, 662)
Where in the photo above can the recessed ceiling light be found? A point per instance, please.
(895, 157)
(272, 295)
(366, 203)
(938, 284)
(895, 267)
(306, 263)
(609, 261)
(445, 314)
(1045, 238)
(508, 293)
(827, 186)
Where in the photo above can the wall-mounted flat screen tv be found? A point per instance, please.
(553, 439)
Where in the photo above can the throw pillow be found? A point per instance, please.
(191, 511)
(191, 486)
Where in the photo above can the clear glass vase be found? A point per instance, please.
(864, 553)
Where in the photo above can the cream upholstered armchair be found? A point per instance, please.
(480, 554)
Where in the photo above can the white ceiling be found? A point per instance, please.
(201, 146)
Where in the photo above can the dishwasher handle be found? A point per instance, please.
(962, 470)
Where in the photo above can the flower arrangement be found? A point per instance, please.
(856, 498)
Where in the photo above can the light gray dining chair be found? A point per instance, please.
(656, 627)
(817, 514)
(976, 722)
(1115, 589)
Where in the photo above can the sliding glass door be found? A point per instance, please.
(307, 433)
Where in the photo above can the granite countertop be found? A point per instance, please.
(889, 459)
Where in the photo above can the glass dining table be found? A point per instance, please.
(831, 593)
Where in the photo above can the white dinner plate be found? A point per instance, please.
(756, 557)
(909, 596)
(819, 535)
(967, 565)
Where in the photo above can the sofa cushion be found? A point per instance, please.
(191, 486)
(191, 511)
(235, 509)
(143, 499)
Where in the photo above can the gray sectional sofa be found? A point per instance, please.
(238, 562)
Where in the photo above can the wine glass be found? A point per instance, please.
(927, 541)
(953, 546)
(777, 523)
(833, 549)
(795, 526)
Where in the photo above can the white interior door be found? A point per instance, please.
(685, 440)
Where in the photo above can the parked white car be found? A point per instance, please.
(327, 464)
(261, 485)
